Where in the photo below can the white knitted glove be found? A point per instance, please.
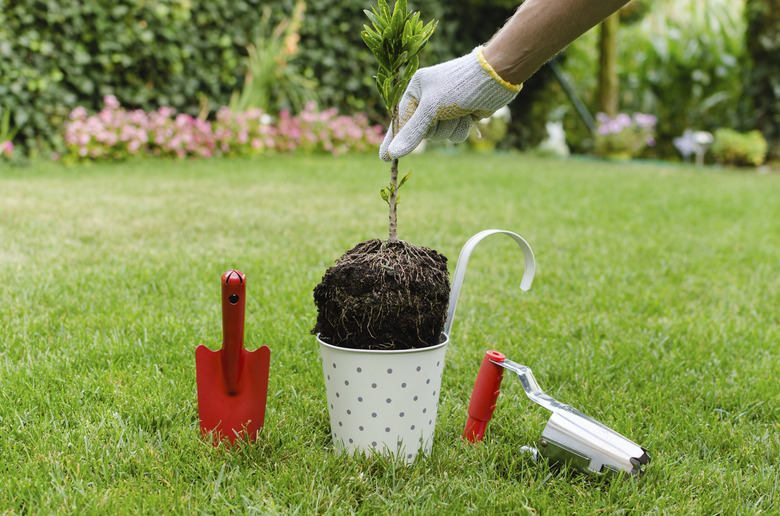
(442, 101)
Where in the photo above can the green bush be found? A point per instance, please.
(731, 147)
(763, 85)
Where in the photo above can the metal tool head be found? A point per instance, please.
(577, 439)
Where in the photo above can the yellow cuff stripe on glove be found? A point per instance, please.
(489, 69)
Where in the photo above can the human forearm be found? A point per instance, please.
(539, 30)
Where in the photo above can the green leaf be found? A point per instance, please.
(384, 9)
(412, 29)
(381, 91)
(411, 69)
(387, 93)
(413, 21)
(378, 22)
(372, 43)
(404, 179)
(387, 42)
(408, 36)
(400, 61)
(382, 75)
(414, 46)
(400, 7)
(396, 93)
(427, 31)
(370, 37)
(372, 33)
(399, 17)
(385, 20)
(381, 55)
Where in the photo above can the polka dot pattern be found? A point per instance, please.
(451, 112)
(383, 401)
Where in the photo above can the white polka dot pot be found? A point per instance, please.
(384, 401)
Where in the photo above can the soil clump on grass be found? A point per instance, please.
(383, 295)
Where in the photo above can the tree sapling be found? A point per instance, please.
(387, 294)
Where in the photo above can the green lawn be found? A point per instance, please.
(656, 309)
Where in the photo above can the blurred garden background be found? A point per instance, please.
(671, 80)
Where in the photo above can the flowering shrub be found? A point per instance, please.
(116, 133)
(625, 135)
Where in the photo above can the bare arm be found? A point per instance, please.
(539, 30)
(442, 101)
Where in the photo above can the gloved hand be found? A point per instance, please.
(442, 101)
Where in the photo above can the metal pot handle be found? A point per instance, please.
(463, 260)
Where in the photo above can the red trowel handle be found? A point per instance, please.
(484, 397)
(233, 294)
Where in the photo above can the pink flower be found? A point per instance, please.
(108, 138)
(116, 133)
(183, 120)
(7, 148)
(110, 102)
(106, 116)
(166, 111)
(78, 113)
(137, 117)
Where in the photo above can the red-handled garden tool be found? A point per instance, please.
(569, 436)
(232, 382)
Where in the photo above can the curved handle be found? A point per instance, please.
(463, 260)
(233, 294)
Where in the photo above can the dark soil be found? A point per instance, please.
(384, 295)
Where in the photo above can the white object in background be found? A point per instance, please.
(555, 143)
(694, 142)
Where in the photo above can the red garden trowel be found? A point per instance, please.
(232, 382)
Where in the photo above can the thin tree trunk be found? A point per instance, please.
(608, 79)
(392, 199)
